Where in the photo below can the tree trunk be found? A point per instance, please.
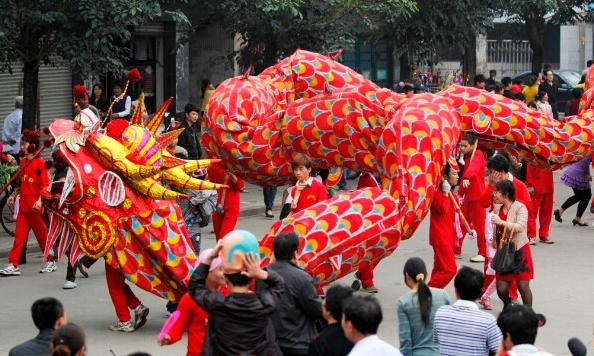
(535, 31)
(30, 99)
(405, 67)
(470, 57)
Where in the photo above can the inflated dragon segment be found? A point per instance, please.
(309, 103)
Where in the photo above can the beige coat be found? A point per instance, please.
(517, 218)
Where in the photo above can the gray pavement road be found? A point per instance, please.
(562, 290)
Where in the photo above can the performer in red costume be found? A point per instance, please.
(308, 191)
(34, 179)
(442, 233)
(498, 167)
(472, 188)
(365, 272)
(123, 300)
(228, 200)
(540, 185)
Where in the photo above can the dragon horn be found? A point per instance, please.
(152, 189)
(189, 166)
(137, 117)
(166, 138)
(154, 122)
(185, 181)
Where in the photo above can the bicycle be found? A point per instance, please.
(7, 219)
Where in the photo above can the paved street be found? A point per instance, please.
(563, 289)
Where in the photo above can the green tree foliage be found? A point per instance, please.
(88, 35)
(272, 29)
(535, 14)
(437, 23)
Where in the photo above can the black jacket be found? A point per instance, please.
(239, 323)
(190, 139)
(299, 309)
(331, 342)
(39, 346)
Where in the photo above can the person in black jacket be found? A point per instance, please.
(332, 341)
(48, 315)
(300, 307)
(190, 137)
(550, 86)
(239, 324)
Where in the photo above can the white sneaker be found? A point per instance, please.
(49, 267)
(10, 270)
(477, 258)
(122, 326)
(532, 241)
(70, 285)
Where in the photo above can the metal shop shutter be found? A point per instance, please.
(10, 87)
(55, 92)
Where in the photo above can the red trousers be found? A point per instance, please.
(542, 206)
(25, 222)
(224, 224)
(366, 274)
(444, 266)
(475, 215)
(122, 297)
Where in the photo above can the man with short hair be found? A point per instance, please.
(549, 86)
(461, 328)
(190, 137)
(122, 108)
(299, 307)
(492, 74)
(507, 91)
(48, 315)
(332, 341)
(479, 81)
(519, 326)
(11, 131)
(361, 318)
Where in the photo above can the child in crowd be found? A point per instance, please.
(190, 316)
(472, 188)
(308, 191)
(240, 323)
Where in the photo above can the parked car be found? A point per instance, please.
(566, 79)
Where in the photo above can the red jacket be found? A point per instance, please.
(441, 222)
(216, 174)
(34, 179)
(195, 320)
(475, 172)
(522, 195)
(310, 195)
(540, 179)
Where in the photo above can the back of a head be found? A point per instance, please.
(364, 312)
(520, 322)
(18, 102)
(479, 78)
(416, 269)
(191, 107)
(139, 354)
(237, 279)
(576, 93)
(468, 283)
(335, 297)
(589, 62)
(498, 163)
(68, 340)
(285, 246)
(46, 312)
(506, 81)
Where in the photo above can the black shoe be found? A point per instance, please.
(558, 216)
(356, 285)
(575, 222)
(592, 209)
(82, 269)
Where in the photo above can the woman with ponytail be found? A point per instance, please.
(69, 340)
(416, 311)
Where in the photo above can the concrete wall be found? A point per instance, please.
(576, 46)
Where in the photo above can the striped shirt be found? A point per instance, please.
(463, 329)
